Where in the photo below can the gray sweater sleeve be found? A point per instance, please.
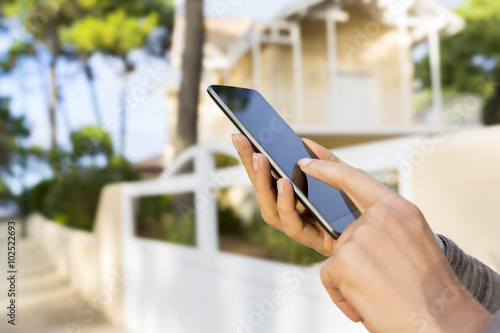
(479, 279)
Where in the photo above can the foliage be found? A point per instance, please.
(115, 34)
(224, 161)
(41, 17)
(257, 238)
(491, 109)
(5, 192)
(470, 60)
(155, 219)
(279, 246)
(72, 198)
(261, 239)
(115, 27)
(91, 141)
(12, 129)
(16, 50)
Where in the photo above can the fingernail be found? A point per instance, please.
(305, 161)
(280, 187)
(235, 143)
(255, 162)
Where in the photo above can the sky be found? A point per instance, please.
(146, 120)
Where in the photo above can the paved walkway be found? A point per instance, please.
(46, 301)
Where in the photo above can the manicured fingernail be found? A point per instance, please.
(255, 162)
(280, 187)
(235, 143)
(305, 161)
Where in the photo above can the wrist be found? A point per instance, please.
(461, 313)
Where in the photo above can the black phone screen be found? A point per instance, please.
(285, 147)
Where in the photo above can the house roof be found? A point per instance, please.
(299, 8)
(219, 32)
(223, 33)
(452, 23)
(428, 9)
(217, 28)
(152, 164)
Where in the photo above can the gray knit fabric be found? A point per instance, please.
(479, 279)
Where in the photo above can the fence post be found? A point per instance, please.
(206, 233)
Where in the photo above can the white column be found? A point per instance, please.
(437, 96)
(331, 41)
(297, 72)
(207, 238)
(257, 69)
(404, 61)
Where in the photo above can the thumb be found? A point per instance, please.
(360, 187)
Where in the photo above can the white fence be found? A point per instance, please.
(177, 288)
(154, 286)
(73, 252)
(174, 288)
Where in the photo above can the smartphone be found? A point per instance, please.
(274, 138)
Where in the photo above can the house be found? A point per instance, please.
(149, 168)
(340, 72)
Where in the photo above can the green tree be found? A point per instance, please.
(127, 23)
(470, 60)
(12, 152)
(41, 21)
(91, 141)
(115, 31)
(12, 130)
(17, 50)
(72, 198)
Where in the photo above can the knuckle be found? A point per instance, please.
(270, 221)
(381, 213)
(362, 233)
(293, 233)
(362, 237)
(414, 211)
(345, 255)
(285, 209)
(326, 271)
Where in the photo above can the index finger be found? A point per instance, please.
(321, 152)
(364, 190)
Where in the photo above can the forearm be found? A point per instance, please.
(478, 278)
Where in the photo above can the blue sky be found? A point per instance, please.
(147, 122)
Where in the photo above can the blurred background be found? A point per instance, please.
(133, 211)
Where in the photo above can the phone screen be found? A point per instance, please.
(285, 147)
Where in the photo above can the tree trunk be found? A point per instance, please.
(186, 133)
(55, 48)
(93, 93)
(54, 99)
(123, 105)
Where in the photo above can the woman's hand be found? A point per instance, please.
(276, 199)
(387, 269)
